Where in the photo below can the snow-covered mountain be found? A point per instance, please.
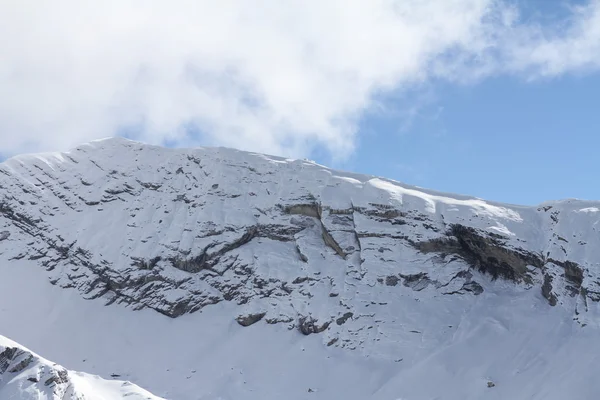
(213, 273)
(25, 375)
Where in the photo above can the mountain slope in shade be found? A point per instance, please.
(25, 375)
(234, 275)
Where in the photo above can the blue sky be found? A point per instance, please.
(494, 98)
(503, 139)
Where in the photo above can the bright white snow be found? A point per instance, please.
(26, 376)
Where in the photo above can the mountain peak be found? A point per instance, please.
(25, 375)
(363, 264)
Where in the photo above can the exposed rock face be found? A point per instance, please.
(14, 361)
(250, 319)
(547, 290)
(179, 230)
(308, 325)
(487, 253)
(342, 320)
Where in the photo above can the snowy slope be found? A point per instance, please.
(25, 375)
(234, 275)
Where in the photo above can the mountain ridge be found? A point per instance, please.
(360, 263)
(25, 375)
(119, 140)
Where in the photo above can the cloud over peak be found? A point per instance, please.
(272, 76)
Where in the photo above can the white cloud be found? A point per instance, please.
(267, 75)
(572, 46)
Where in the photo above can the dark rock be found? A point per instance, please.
(308, 210)
(383, 211)
(308, 325)
(485, 252)
(391, 280)
(281, 319)
(573, 274)
(331, 242)
(341, 320)
(145, 264)
(205, 260)
(300, 280)
(547, 290)
(250, 319)
(6, 358)
(301, 255)
(58, 377)
(22, 365)
(280, 233)
(416, 282)
(473, 287)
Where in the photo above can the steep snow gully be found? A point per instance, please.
(213, 273)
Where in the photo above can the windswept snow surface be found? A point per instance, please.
(27, 376)
(119, 258)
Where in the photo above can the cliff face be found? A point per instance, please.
(355, 259)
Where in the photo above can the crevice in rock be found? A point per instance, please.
(302, 256)
(281, 233)
(547, 290)
(473, 287)
(309, 210)
(145, 264)
(573, 275)
(384, 211)
(332, 243)
(206, 261)
(315, 210)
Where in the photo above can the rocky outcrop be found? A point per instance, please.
(416, 282)
(27, 376)
(15, 361)
(547, 290)
(573, 274)
(490, 254)
(250, 319)
(487, 253)
(309, 325)
(342, 320)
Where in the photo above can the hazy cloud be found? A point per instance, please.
(573, 45)
(273, 76)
